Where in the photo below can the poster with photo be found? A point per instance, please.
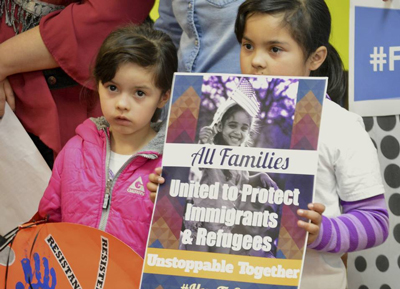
(374, 86)
(240, 159)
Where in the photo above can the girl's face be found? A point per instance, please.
(236, 128)
(268, 48)
(130, 99)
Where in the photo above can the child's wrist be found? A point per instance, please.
(324, 235)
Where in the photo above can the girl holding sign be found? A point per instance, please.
(291, 38)
(98, 177)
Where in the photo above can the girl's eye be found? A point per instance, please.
(140, 94)
(232, 126)
(276, 49)
(247, 46)
(112, 88)
(245, 128)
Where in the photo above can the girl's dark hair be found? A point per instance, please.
(142, 45)
(309, 22)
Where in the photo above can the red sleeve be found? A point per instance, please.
(73, 35)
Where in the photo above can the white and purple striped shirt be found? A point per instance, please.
(363, 224)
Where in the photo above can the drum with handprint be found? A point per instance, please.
(64, 255)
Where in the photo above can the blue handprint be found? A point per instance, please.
(26, 265)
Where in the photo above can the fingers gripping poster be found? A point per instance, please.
(240, 159)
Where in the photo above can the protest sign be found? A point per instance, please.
(240, 159)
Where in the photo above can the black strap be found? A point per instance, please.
(7, 238)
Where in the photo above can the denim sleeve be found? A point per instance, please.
(167, 22)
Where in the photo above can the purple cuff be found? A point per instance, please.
(324, 236)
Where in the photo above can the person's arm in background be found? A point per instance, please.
(167, 23)
(21, 53)
(67, 38)
(24, 52)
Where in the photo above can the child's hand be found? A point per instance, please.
(206, 134)
(155, 179)
(315, 216)
(267, 182)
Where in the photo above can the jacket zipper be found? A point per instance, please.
(106, 200)
(108, 194)
(110, 183)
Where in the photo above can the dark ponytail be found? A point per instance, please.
(333, 68)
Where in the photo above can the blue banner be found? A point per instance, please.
(376, 54)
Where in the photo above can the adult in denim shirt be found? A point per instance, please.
(203, 32)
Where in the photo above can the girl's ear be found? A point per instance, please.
(318, 57)
(219, 127)
(163, 99)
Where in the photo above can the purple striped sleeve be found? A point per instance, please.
(363, 224)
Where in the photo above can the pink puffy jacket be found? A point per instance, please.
(78, 191)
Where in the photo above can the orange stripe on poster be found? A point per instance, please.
(223, 267)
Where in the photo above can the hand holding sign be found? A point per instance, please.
(315, 216)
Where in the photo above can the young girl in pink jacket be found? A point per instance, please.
(99, 177)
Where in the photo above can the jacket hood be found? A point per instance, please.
(94, 130)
